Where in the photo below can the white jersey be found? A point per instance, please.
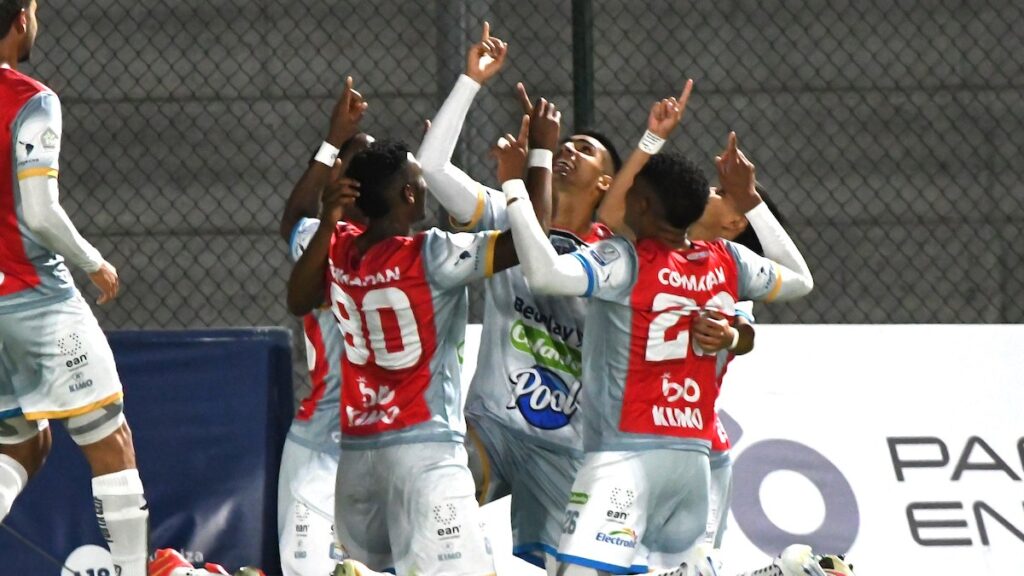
(317, 423)
(31, 275)
(529, 370)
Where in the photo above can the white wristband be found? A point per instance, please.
(514, 190)
(735, 339)
(327, 154)
(651, 143)
(540, 158)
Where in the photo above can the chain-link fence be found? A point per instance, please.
(888, 132)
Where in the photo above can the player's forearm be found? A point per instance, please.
(612, 211)
(745, 344)
(778, 246)
(538, 186)
(545, 270)
(307, 285)
(48, 221)
(454, 189)
(304, 201)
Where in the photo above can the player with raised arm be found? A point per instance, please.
(644, 483)
(400, 300)
(525, 425)
(309, 463)
(55, 362)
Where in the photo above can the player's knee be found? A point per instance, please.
(99, 425)
(565, 569)
(27, 441)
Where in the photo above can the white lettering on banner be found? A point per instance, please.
(667, 416)
(705, 283)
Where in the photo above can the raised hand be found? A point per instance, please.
(486, 57)
(736, 175)
(339, 194)
(666, 114)
(511, 153)
(347, 114)
(545, 120)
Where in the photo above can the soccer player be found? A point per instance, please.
(309, 463)
(640, 501)
(405, 495)
(55, 361)
(525, 425)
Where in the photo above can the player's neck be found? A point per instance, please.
(381, 229)
(698, 232)
(8, 56)
(572, 214)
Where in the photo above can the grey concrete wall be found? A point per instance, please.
(888, 132)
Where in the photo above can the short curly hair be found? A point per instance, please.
(376, 169)
(680, 185)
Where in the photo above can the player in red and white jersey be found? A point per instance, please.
(55, 362)
(405, 495)
(641, 499)
(309, 461)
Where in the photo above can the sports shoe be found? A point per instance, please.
(795, 560)
(165, 561)
(835, 565)
(353, 568)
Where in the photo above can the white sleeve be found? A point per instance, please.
(460, 195)
(778, 246)
(302, 233)
(765, 280)
(745, 308)
(580, 273)
(454, 260)
(37, 151)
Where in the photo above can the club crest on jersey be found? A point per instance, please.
(49, 139)
(543, 398)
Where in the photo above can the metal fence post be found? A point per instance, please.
(583, 63)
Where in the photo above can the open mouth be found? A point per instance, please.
(562, 167)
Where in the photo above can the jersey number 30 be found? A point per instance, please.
(403, 353)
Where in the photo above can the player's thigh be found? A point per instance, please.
(435, 522)
(541, 489)
(61, 361)
(678, 484)
(485, 451)
(719, 502)
(306, 541)
(606, 515)
(360, 506)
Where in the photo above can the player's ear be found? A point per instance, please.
(604, 183)
(409, 194)
(21, 22)
(734, 225)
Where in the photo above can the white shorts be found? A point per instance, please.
(305, 510)
(719, 501)
(630, 512)
(412, 508)
(56, 362)
(538, 479)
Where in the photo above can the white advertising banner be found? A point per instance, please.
(901, 445)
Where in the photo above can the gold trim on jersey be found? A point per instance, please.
(478, 213)
(778, 284)
(33, 172)
(62, 414)
(492, 244)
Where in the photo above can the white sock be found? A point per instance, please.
(123, 516)
(13, 478)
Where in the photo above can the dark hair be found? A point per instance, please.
(375, 169)
(9, 10)
(748, 237)
(680, 185)
(606, 142)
